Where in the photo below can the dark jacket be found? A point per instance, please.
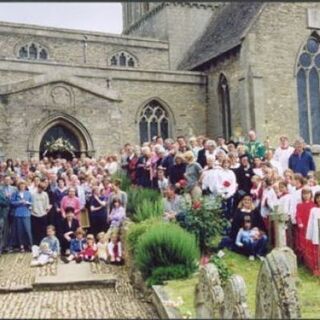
(4, 205)
(66, 228)
(302, 163)
(244, 178)
(177, 173)
(202, 159)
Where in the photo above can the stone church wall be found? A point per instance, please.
(68, 47)
(275, 40)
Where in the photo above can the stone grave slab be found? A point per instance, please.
(73, 274)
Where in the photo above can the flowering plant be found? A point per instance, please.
(204, 218)
(59, 144)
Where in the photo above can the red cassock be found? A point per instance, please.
(302, 217)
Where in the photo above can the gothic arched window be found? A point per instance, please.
(153, 121)
(33, 51)
(123, 59)
(308, 90)
(225, 109)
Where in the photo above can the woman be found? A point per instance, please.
(192, 175)
(177, 171)
(246, 211)
(21, 201)
(58, 195)
(226, 185)
(71, 200)
(98, 211)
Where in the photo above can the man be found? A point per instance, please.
(40, 208)
(183, 147)
(254, 148)
(4, 209)
(283, 152)
(209, 149)
(221, 142)
(171, 204)
(301, 161)
(8, 191)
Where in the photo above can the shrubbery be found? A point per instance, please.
(166, 252)
(148, 209)
(136, 230)
(223, 270)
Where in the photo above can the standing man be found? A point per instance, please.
(8, 191)
(283, 153)
(254, 148)
(301, 161)
(39, 216)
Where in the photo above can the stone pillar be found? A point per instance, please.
(279, 219)
(245, 118)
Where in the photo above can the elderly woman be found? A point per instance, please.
(144, 167)
(21, 201)
(70, 200)
(192, 175)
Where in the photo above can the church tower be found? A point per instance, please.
(179, 23)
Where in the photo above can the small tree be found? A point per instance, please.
(204, 218)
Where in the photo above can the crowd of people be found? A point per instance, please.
(76, 208)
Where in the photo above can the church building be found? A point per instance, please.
(178, 68)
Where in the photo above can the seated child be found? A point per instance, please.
(115, 249)
(76, 246)
(251, 240)
(90, 250)
(102, 247)
(48, 250)
(116, 217)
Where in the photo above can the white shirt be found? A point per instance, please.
(223, 176)
(283, 155)
(313, 226)
(268, 201)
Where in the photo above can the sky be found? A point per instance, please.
(91, 16)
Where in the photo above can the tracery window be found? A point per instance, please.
(154, 121)
(308, 90)
(224, 97)
(123, 59)
(33, 51)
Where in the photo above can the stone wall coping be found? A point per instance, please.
(160, 299)
(72, 34)
(103, 72)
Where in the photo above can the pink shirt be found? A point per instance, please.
(71, 202)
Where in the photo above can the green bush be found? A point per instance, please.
(136, 195)
(125, 180)
(161, 274)
(204, 219)
(136, 230)
(148, 209)
(166, 245)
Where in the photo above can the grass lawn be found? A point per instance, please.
(308, 288)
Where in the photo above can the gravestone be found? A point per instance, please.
(276, 291)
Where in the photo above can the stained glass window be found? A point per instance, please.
(225, 109)
(154, 121)
(308, 86)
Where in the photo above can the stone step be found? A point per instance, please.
(73, 276)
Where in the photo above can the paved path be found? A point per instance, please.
(121, 301)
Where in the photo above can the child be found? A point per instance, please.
(90, 250)
(77, 245)
(256, 190)
(115, 249)
(116, 217)
(302, 217)
(48, 250)
(102, 247)
(162, 181)
(251, 240)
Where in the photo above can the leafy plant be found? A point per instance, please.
(166, 245)
(136, 195)
(204, 219)
(148, 209)
(223, 270)
(136, 230)
(161, 274)
(125, 180)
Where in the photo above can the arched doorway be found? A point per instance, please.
(60, 135)
(60, 142)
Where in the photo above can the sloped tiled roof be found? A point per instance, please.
(224, 32)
